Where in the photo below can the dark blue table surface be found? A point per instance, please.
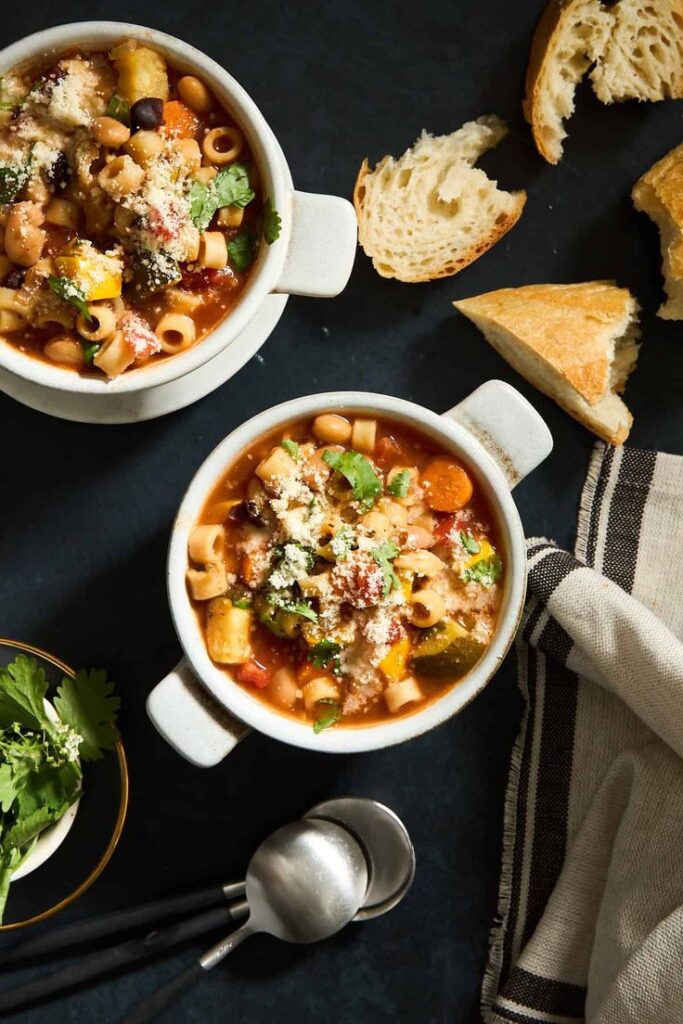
(86, 511)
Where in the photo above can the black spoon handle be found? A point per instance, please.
(61, 940)
(116, 957)
(174, 989)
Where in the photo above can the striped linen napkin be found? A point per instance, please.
(590, 911)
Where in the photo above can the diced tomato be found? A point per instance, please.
(446, 532)
(201, 280)
(388, 452)
(252, 673)
(139, 336)
(359, 580)
(164, 223)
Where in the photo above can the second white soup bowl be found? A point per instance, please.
(202, 713)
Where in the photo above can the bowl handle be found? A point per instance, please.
(190, 720)
(322, 246)
(508, 427)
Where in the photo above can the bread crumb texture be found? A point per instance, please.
(634, 47)
(576, 343)
(432, 212)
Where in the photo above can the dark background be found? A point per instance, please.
(86, 510)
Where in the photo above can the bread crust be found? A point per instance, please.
(545, 34)
(662, 186)
(504, 225)
(565, 326)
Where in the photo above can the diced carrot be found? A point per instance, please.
(251, 570)
(179, 121)
(252, 673)
(446, 484)
(307, 671)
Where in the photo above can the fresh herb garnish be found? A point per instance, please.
(383, 556)
(291, 447)
(40, 774)
(325, 653)
(119, 109)
(242, 251)
(68, 291)
(7, 105)
(272, 222)
(342, 542)
(283, 601)
(90, 350)
(358, 470)
(329, 716)
(230, 187)
(400, 484)
(486, 571)
(12, 180)
(470, 543)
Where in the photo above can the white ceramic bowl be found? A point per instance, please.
(203, 714)
(313, 256)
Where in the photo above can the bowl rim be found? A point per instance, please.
(272, 166)
(353, 739)
(120, 817)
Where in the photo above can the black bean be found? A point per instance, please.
(59, 172)
(147, 114)
(15, 278)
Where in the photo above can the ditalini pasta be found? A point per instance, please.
(130, 210)
(344, 570)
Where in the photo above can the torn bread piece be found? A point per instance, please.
(634, 46)
(659, 193)
(577, 343)
(432, 212)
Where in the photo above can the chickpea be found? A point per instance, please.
(24, 238)
(144, 147)
(428, 608)
(194, 93)
(109, 132)
(418, 537)
(64, 349)
(331, 428)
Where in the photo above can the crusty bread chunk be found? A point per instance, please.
(575, 342)
(570, 36)
(659, 193)
(634, 46)
(430, 213)
(643, 55)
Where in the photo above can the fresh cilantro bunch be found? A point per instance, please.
(40, 770)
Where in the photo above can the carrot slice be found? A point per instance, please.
(446, 484)
(179, 121)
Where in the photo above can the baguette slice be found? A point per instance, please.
(574, 342)
(636, 47)
(568, 39)
(432, 212)
(659, 193)
(643, 56)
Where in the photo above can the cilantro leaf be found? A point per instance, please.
(68, 291)
(291, 447)
(119, 109)
(23, 687)
(342, 542)
(329, 716)
(283, 601)
(242, 250)
(358, 470)
(383, 556)
(90, 350)
(230, 187)
(470, 543)
(325, 653)
(486, 571)
(88, 704)
(400, 484)
(12, 180)
(272, 222)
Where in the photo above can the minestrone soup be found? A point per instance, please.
(346, 570)
(130, 209)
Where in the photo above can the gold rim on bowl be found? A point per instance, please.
(120, 817)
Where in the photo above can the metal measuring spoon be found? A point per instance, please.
(304, 883)
(386, 844)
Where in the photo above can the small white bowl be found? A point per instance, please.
(203, 714)
(52, 838)
(313, 256)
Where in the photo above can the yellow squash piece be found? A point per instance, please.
(486, 550)
(227, 632)
(97, 275)
(142, 73)
(394, 664)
